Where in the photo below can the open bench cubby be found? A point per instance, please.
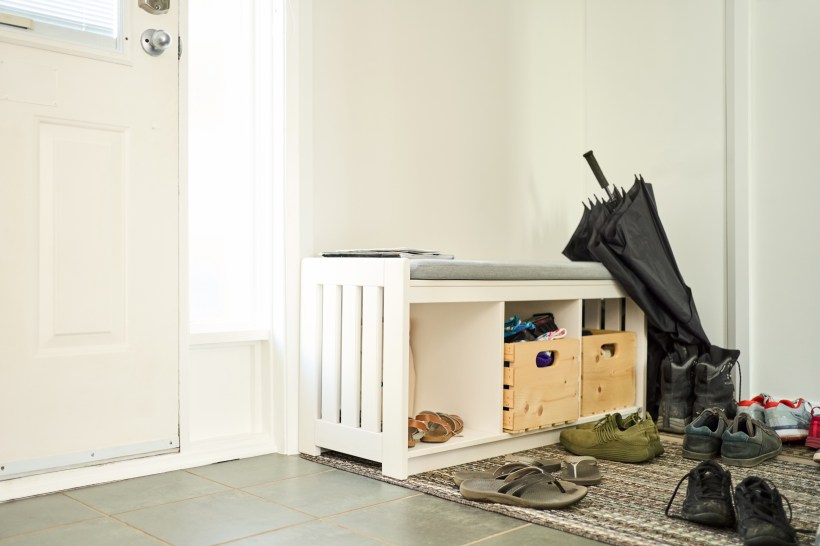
(360, 316)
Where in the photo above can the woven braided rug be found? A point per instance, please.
(627, 508)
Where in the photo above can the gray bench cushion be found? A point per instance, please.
(479, 270)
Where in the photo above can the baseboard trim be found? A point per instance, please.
(193, 455)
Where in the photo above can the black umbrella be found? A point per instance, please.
(592, 218)
(626, 235)
(633, 245)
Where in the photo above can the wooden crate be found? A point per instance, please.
(607, 371)
(536, 397)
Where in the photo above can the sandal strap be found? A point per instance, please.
(456, 422)
(417, 424)
(518, 487)
(574, 462)
(523, 472)
(455, 425)
(503, 471)
(459, 423)
(432, 418)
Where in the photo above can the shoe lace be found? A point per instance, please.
(708, 481)
(606, 430)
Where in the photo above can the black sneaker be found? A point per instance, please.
(708, 496)
(760, 515)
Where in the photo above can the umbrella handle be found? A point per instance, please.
(596, 169)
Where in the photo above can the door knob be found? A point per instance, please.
(154, 42)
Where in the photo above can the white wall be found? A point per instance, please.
(655, 106)
(461, 125)
(784, 197)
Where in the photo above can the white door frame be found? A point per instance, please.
(292, 210)
(738, 66)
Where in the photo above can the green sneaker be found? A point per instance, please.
(645, 422)
(606, 440)
(634, 419)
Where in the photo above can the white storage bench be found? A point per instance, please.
(356, 320)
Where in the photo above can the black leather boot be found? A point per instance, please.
(714, 387)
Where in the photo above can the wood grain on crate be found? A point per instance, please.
(608, 361)
(536, 397)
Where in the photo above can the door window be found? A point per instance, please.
(93, 23)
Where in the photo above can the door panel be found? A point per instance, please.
(89, 244)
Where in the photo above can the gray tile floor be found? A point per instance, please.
(273, 499)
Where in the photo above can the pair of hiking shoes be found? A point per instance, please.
(631, 439)
(743, 441)
(691, 382)
(757, 510)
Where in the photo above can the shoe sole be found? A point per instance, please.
(813, 441)
(792, 434)
(698, 456)
(754, 461)
(710, 518)
(766, 541)
(626, 455)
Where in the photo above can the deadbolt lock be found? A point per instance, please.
(157, 7)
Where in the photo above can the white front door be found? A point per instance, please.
(89, 304)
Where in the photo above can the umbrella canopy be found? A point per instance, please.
(626, 235)
(633, 245)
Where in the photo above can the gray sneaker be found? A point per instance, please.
(755, 406)
(748, 442)
(703, 436)
(790, 419)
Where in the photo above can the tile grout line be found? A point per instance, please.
(112, 517)
(499, 534)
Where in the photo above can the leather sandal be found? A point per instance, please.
(438, 429)
(456, 423)
(416, 430)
